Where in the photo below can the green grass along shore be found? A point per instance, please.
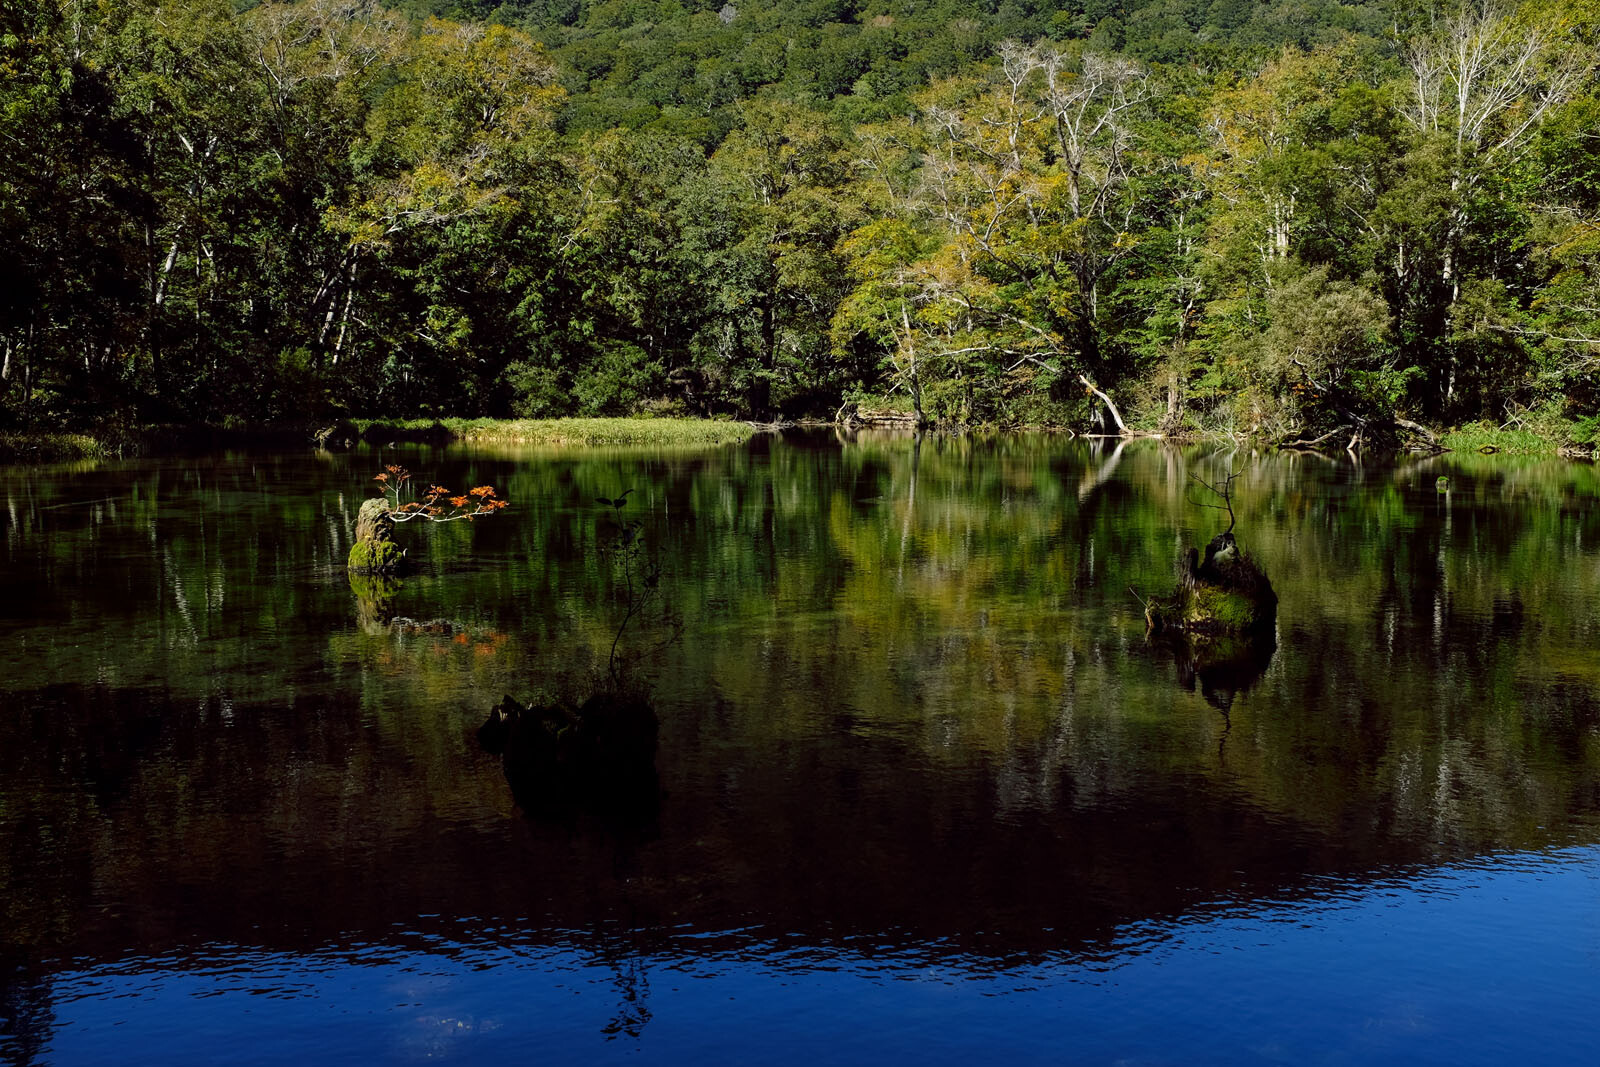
(48, 447)
(38, 446)
(554, 431)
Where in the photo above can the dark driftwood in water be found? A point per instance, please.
(374, 551)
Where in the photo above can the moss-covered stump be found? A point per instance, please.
(1227, 595)
(375, 557)
(374, 552)
(373, 521)
(598, 754)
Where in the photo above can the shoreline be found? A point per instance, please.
(47, 446)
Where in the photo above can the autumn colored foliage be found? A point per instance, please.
(436, 503)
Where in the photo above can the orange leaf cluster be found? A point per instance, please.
(480, 500)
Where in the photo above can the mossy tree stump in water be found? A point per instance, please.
(1226, 593)
(374, 551)
(1232, 596)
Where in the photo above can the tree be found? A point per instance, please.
(453, 181)
(322, 62)
(1483, 79)
(780, 179)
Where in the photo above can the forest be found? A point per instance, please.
(1297, 221)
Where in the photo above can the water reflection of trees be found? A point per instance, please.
(930, 711)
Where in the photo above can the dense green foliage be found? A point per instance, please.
(1287, 219)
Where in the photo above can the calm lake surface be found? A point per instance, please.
(927, 792)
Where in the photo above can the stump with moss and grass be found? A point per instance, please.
(374, 550)
(1226, 593)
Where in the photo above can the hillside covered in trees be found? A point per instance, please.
(1282, 218)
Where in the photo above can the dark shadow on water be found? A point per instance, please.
(593, 761)
(27, 1013)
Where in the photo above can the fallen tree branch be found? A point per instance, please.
(1432, 446)
(1418, 429)
(1110, 406)
(1518, 331)
(1305, 443)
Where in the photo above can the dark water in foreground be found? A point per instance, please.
(927, 790)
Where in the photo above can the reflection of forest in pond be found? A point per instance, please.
(913, 700)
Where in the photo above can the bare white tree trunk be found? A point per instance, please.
(1487, 77)
(166, 269)
(1116, 416)
(911, 353)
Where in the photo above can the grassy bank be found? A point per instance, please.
(49, 447)
(556, 431)
(1488, 438)
(25, 446)
(45, 447)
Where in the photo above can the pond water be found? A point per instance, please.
(926, 789)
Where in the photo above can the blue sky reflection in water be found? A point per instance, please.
(1429, 967)
(927, 790)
